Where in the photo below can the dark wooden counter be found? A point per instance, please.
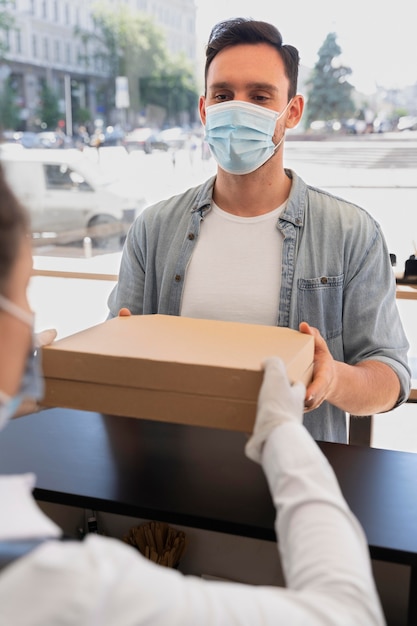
(200, 477)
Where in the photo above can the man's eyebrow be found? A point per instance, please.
(264, 86)
(253, 85)
(220, 85)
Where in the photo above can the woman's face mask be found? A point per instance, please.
(32, 381)
(240, 135)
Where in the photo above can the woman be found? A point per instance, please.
(17, 339)
(105, 582)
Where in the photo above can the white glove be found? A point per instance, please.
(45, 337)
(278, 402)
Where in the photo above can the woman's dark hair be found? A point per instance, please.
(242, 30)
(14, 224)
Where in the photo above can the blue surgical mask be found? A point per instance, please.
(32, 384)
(240, 135)
(8, 407)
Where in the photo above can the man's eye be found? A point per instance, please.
(220, 97)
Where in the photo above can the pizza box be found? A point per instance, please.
(171, 369)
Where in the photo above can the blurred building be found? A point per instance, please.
(42, 48)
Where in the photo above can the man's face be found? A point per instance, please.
(250, 73)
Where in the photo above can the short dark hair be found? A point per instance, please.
(14, 224)
(240, 30)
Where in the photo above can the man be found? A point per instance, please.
(256, 244)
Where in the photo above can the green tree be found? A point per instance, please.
(9, 116)
(124, 43)
(81, 116)
(128, 43)
(174, 89)
(9, 113)
(6, 23)
(329, 94)
(48, 109)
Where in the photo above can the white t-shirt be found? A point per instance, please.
(235, 271)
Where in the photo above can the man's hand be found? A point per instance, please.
(278, 402)
(365, 388)
(324, 370)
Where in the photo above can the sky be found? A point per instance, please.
(378, 42)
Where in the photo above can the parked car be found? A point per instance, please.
(65, 191)
(27, 139)
(407, 122)
(51, 139)
(382, 125)
(44, 139)
(111, 136)
(145, 139)
(175, 138)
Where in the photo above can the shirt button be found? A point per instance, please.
(324, 280)
(191, 236)
(177, 278)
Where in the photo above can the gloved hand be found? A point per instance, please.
(45, 337)
(278, 402)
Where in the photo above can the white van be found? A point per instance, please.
(66, 193)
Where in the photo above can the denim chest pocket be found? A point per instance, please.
(320, 303)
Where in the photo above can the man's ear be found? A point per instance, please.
(295, 111)
(202, 109)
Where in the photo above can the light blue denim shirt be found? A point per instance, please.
(336, 275)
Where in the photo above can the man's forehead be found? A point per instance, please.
(251, 60)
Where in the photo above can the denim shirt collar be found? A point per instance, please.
(204, 197)
(294, 211)
(296, 205)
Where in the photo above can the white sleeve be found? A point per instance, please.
(324, 552)
(105, 582)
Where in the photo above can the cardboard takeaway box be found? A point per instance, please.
(171, 369)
